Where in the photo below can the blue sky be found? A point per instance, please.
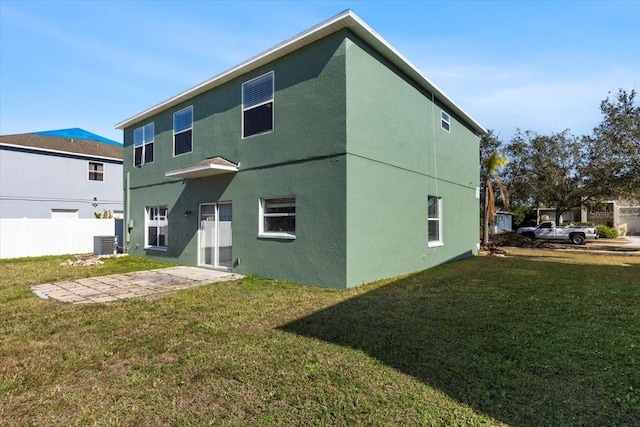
(537, 65)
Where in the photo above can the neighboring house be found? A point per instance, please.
(549, 214)
(621, 214)
(67, 173)
(327, 160)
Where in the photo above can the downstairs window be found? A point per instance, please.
(278, 217)
(434, 221)
(157, 226)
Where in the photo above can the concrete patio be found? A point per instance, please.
(130, 285)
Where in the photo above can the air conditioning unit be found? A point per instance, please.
(105, 245)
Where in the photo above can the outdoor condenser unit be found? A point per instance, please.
(105, 245)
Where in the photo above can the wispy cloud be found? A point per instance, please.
(551, 105)
(117, 57)
(529, 95)
(524, 69)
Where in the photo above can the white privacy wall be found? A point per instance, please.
(24, 237)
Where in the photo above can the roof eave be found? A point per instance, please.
(346, 19)
(66, 153)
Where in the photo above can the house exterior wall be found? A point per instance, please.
(358, 145)
(33, 183)
(303, 156)
(621, 214)
(318, 254)
(549, 214)
(397, 156)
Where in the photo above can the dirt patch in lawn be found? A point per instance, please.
(512, 239)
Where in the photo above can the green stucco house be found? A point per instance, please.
(327, 160)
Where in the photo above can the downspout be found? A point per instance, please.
(128, 223)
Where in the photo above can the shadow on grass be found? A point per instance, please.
(528, 342)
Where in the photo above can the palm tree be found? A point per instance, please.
(491, 165)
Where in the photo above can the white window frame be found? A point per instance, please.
(190, 128)
(97, 172)
(445, 119)
(270, 100)
(291, 235)
(158, 221)
(439, 242)
(144, 143)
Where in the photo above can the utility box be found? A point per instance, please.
(105, 245)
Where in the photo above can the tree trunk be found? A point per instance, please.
(485, 225)
(559, 211)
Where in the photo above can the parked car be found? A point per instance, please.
(548, 230)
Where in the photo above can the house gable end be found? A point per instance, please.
(344, 20)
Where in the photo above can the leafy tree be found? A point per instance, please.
(490, 143)
(565, 171)
(614, 149)
(490, 166)
(547, 170)
(522, 214)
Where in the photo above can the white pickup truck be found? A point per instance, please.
(549, 231)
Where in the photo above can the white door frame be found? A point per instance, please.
(216, 246)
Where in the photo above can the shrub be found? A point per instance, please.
(605, 232)
(522, 215)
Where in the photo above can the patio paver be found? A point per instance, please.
(116, 287)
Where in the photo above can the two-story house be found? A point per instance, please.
(66, 173)
(327, 160)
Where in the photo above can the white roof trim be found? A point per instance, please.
(346, 19)
(69, 153)
(201, 171)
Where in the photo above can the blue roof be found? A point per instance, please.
(77, 133)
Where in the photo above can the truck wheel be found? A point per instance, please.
(577, 239)
(530, 235)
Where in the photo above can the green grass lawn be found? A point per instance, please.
(537, 338)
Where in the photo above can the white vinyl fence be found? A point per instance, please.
(23, 237)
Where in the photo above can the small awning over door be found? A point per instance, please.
(209, 167)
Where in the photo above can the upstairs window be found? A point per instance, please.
(434, 221)
(445, 121)
(257, 105)
(96, 171)
(278, 217)
(143, 145)
(183, 131)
